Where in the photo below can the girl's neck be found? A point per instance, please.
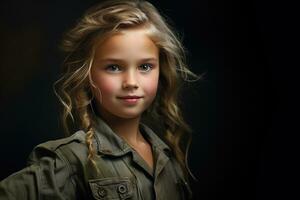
(128, 129)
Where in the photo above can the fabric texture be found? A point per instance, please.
(59, 169)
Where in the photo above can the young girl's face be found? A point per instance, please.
(125, 74)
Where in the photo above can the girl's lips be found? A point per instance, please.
(130, 97)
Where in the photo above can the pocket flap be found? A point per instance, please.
(111, 188)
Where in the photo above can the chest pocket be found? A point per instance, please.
(111, 188)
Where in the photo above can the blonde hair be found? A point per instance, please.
(100, 22)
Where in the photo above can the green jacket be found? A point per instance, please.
(59, 170)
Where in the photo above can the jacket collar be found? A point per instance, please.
(109, 143)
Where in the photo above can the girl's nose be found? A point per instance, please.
(130, 81)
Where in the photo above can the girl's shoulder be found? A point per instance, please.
(50, 171)
(63, 148)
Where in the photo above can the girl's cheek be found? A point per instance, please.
(150, 87)
(106, 85)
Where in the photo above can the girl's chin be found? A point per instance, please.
(130, 116)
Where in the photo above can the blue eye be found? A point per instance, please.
(146, 67)
(113, 68)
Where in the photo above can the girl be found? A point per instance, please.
(122, 71)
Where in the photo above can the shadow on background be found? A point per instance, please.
(241, 113)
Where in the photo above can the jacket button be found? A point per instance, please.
(102, 192)
(122, 188)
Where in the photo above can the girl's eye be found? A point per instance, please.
(113, 68)
(146, 67)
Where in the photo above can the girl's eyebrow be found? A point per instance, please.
(124, 60)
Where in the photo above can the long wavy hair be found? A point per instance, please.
(73, 88)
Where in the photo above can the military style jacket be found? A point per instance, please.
(59, 169)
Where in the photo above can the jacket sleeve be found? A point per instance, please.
(46, 177)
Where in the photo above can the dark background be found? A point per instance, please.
(243, 113)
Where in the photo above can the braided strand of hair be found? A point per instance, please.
(90, 132)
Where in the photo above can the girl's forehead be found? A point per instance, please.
(127, 43)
